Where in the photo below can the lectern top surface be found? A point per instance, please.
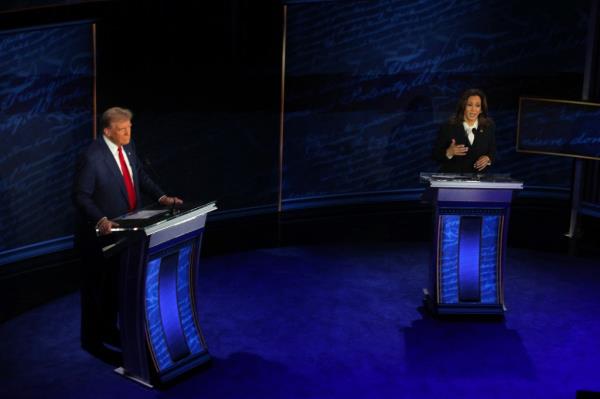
(154, 214)
(471, 180)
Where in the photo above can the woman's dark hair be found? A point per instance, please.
(459, 116)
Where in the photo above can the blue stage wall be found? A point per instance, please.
(368, 84)
(46, 84)
(19, 5)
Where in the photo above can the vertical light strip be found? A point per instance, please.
(500, 254)
(591, 49)
(489, 266)
(184, 300)
(282, 110)
(438, 268)
(449, 259)
(586, 91)
(158, 346)
(169, 307)
(469, 254)
(94, 104)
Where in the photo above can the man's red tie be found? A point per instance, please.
(128, 181)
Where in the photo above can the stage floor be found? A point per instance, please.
(341, 321)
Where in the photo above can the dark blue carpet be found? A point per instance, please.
(341, 322)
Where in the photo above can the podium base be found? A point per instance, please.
(462, 309)
(188, 365)
(124, 373)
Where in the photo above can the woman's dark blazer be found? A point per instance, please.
(483, 144)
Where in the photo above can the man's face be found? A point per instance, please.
(119, 132)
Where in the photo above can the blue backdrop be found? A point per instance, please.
(368, 84)
(46, 83)
(15, 5)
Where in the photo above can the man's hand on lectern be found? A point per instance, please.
(170, 201)
(105, 226)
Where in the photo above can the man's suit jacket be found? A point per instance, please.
(99, 188)
(483, 144)
(98, 191)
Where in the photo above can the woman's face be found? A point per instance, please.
(472, 109)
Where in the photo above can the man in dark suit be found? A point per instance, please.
(467, 143)
(108, 183)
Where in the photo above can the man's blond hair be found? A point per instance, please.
(115, 114)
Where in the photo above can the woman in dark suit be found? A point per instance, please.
(467, 143)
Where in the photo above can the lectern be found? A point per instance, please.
(160, 253)
(471, 214)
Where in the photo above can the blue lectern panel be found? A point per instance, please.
(469, 259)
(155, 329)
(169, 309)
(490, 232)
(172, 329)
(185, 303)
(448, 267)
